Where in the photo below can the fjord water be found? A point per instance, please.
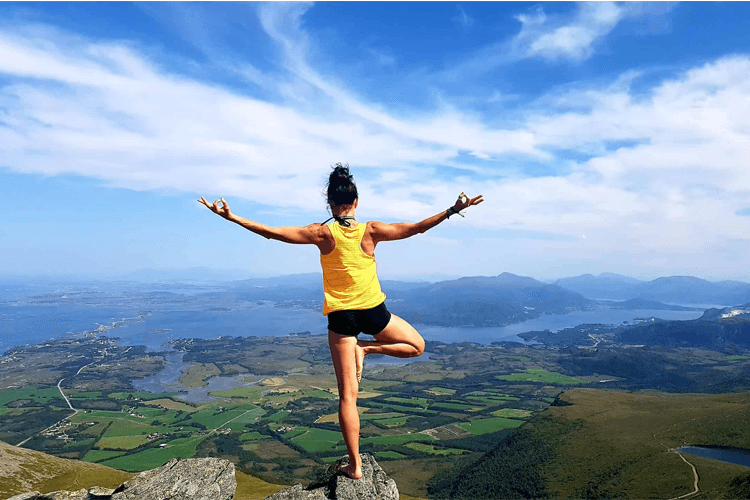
(551, 322)
(22, 324)
(151, 314)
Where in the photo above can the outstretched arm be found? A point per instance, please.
(389, 232)
(288, 234)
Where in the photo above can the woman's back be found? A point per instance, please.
(350, 279)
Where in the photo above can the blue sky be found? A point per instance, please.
(605, 137)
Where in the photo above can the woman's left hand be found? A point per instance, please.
(216, 208)
(464, 201)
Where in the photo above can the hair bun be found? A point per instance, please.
(341, 187)
(341, 173)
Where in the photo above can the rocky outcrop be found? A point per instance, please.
(333, 484)
(192, 479)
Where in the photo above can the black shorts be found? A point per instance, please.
(356, 321)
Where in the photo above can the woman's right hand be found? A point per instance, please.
(219, 207)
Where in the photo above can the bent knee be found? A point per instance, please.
(418, 348)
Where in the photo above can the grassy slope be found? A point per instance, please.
(622, 444)
(27, 470)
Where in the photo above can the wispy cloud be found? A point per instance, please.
(559, 38)
(105, 111)
(660, 167)
(568, 40)
(463, 18)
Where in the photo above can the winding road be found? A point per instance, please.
(695, 474)
(66, 397)
(56, 423)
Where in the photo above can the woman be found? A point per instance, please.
(354, 302)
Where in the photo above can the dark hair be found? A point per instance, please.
(341, 189)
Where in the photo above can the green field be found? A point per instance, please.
(122, 442)
(487, 425)
(428, 448)
(486, 400)
(252, 393)
(99, 455)
(498, 393)
(212, 418)
(512, 413)
(315, 440)
(389, 455)
(35, 394)
(144, 396)
(490, 397)
(252, 436)
(417, 401)
(392, 422)
(278, 417)
(442, 391)
(396, 439)
(380, 416)
(246, 417)
(197, 374)
(123, 426)
(543, 376)
(402, 409)
(454, 406)
(315, 393)
(295, 432)
(84, 395)
(80, 444)
(155, 457)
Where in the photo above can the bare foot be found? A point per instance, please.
(360, 361)
(352, 471)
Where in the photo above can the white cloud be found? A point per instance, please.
(104, 111)
(573, 40)
(666, 169)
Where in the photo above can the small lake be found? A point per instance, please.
(167, 380)
(737, 456)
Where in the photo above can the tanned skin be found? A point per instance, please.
(398, 339)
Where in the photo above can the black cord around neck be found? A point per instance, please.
(344, 221)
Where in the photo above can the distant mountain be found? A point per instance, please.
(690, 290)
(484, 301)
(716, 329)
(304, 290)
(476, 301)
(673, 289)
(605, 286)
(641, 303)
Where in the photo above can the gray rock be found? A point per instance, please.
(31, 495)
(192, 479)
(334, 485)
(98, 492)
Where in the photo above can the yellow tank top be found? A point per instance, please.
(350, 279)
